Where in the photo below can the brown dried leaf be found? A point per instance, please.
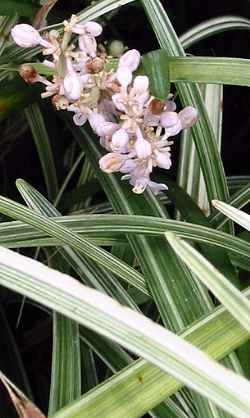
(43, 12)
(24, 407)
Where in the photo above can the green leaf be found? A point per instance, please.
(235, 214)
(203, 135)
(238, 200)
(68, 237)
(11, 7)
(232, 71)
(134, 331)
(178, 297)
(65, 384)
(218, 334)
(213, 27)
(156, 67)
(237, 304)
(193, 214)
(41, 138)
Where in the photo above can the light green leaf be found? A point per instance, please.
(237, 304)
(235, 214)
(234, 71)
(40, 135)
(68, 237)
(213, 27)
(134, 331)
(155, 66)
(203, 135)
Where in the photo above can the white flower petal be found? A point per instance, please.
(157, 187)
(124, 76)
(79, 119)
(26, 36)
(93, 28)
(72, 86)
(131, 60)
(119, 102)
(120, 140)
(168, 119)
(163, 158)
(141, 84)
(88, 44)
(111, 162)
(188, 116)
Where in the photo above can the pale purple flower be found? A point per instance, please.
(28, 37)
(171, 122)
(71, 83)
(120, 140)
(111, 162)
(131, 60)
(143, 148)
(100, 125)
(188, 116)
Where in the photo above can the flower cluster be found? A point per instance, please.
(133, 126)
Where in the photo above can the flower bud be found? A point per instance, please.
(171, 122)
(72, 86)
(124, 76)
(26, 36)
(131, 60)
(120, 140)
(96, 121)
(116, 49)
(142, 147)
(80, 119)
(169, 119)
(188, 117)
(141, 84)
(92, 29)
(88, 44)
(163, 158)
(111, 162)
(28, 73)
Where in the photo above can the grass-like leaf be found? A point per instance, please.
(134, 331)
(235, 214)
(213, 27)
(41, 138)
(237, 304)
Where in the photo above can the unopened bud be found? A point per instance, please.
(28, 73)
(188, 116)
(111, 162)
(131, 60)
(26, 36)
(116, 49)
(72, 86)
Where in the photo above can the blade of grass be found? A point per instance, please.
(40, 135)
(216, 334)
(213, 27)
(209, 157)
(238, 200)
(233, 71)
(172, 287)
(235, 214)
(91, 274)
(136, 332)
(237, 304)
